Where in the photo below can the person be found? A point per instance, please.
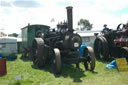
(81, 54)
(106, 29)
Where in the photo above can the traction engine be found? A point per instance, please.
(59, 46)
(112, 44)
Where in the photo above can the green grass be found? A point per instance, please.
(31, 75)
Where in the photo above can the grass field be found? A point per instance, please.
(30, 75)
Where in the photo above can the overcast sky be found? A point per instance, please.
(15, 14)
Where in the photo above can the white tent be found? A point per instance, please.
(8, 45)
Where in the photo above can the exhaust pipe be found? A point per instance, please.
(69, 18)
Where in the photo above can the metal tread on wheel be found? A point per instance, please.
(98, 46)
(57, 61)
(38, 52)
(91, 55)
(106, 48)
(101, 47)
(124, 52)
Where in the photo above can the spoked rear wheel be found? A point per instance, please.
(38, 52)
(27, 53)
(90, 56)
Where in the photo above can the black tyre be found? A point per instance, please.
(38, 52)
(89, 53)
(57, 61)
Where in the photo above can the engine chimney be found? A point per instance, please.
(69, 18)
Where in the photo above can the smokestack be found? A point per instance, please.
(69, 18)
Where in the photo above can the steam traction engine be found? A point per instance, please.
(112, 44)
(59, 46)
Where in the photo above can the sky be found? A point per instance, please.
(16, 14)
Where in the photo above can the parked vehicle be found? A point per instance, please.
(112, 44)
(60, 45)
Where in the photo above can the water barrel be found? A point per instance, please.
(3, 67)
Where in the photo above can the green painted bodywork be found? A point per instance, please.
(29, 32)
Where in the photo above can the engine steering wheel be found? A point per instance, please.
(120, 27)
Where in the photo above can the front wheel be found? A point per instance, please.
(90, 58)
(57, 61)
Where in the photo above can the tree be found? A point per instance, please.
(85, 24)
(13, 35)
